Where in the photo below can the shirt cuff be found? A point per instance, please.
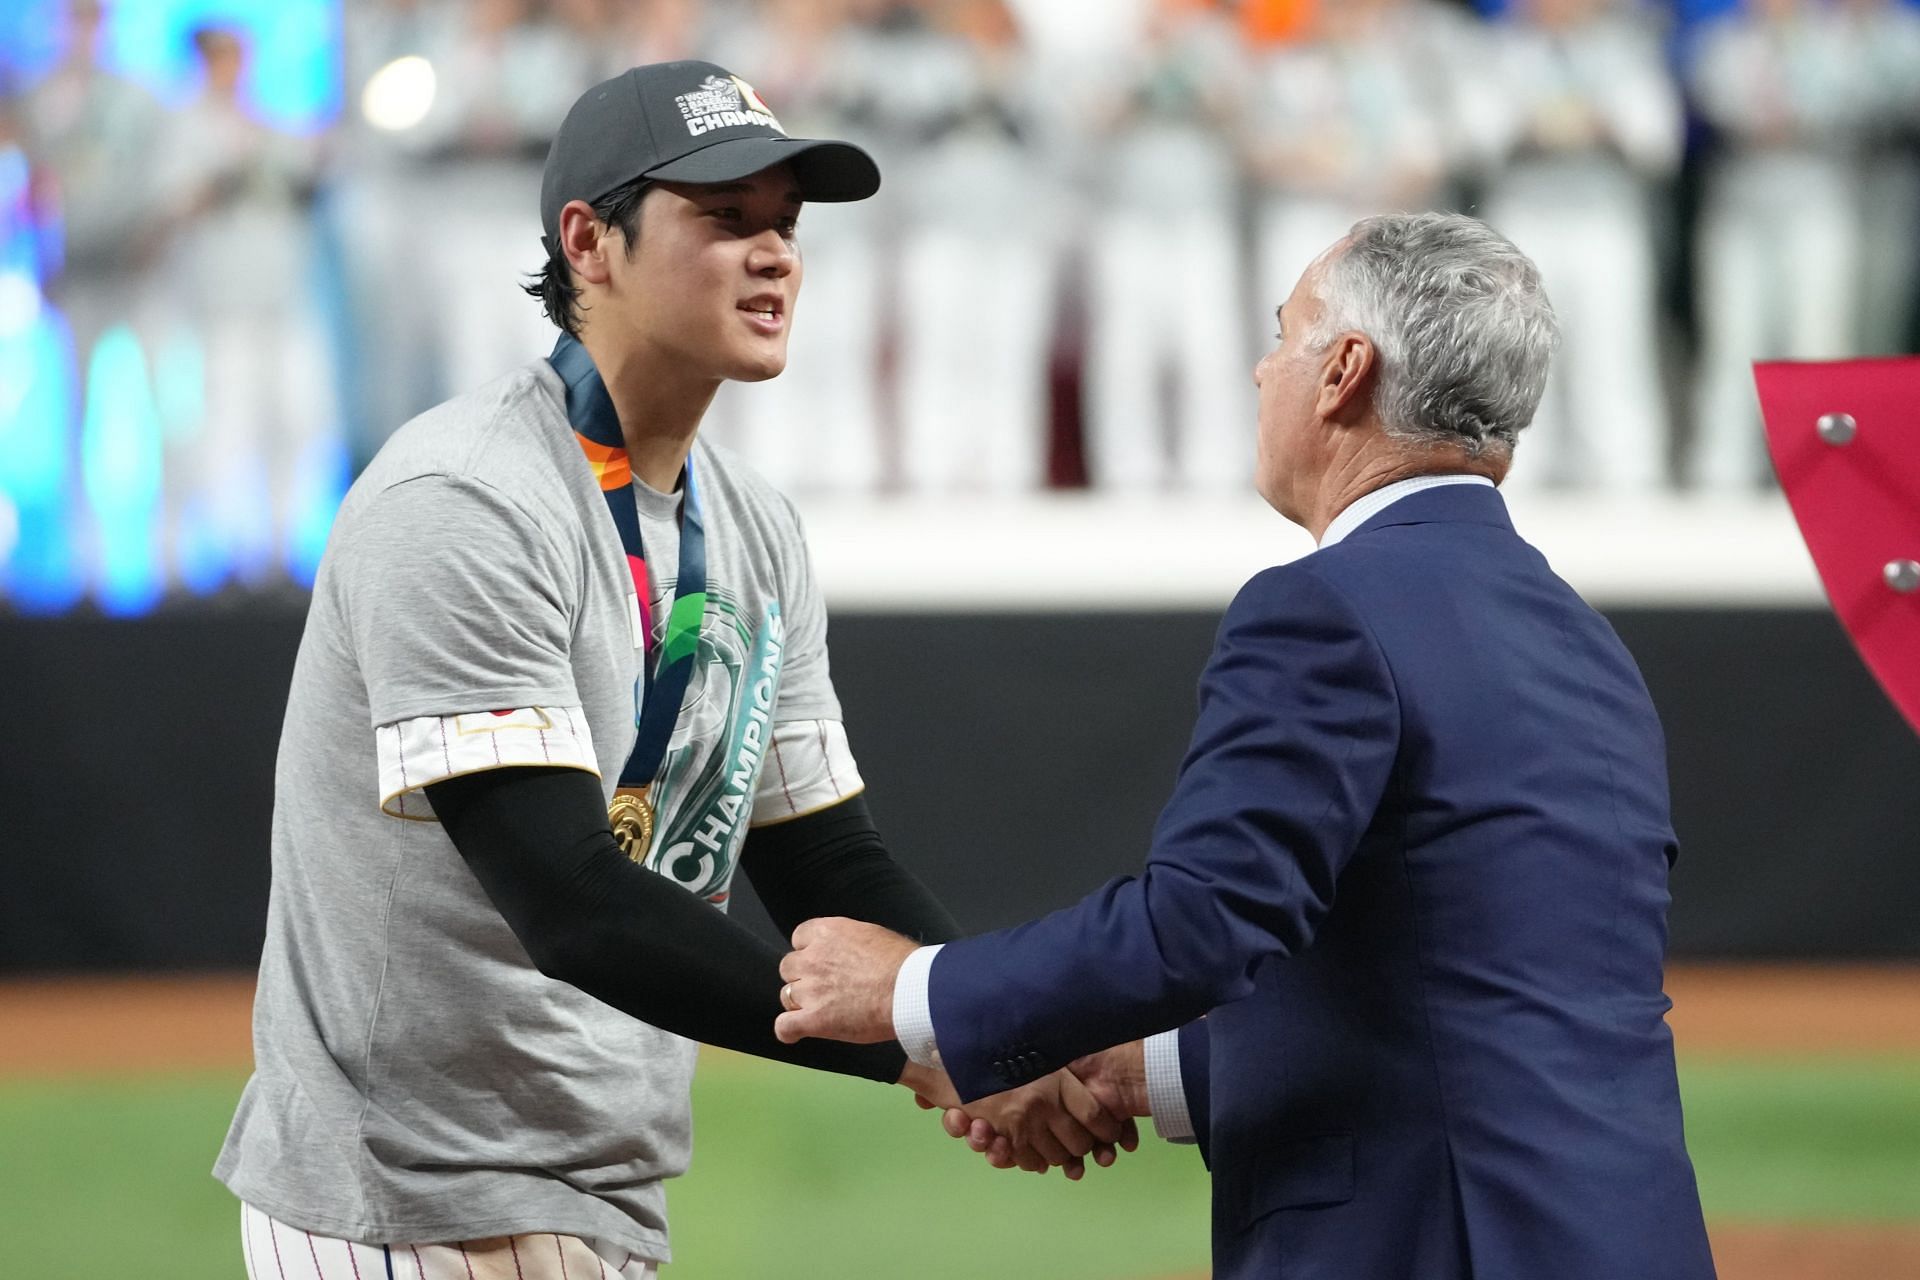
(1166, 1091)
(416, 753)
(808, 767)
(912, 1011)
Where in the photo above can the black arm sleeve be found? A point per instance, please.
(538, 842)
(832, 863)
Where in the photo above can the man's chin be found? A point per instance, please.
(758, 370)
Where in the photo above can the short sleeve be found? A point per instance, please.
(457, 602)
(806, 685)
(809, 767)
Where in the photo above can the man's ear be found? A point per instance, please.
(1345, 375)
(584, 241)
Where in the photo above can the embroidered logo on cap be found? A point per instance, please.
(724, 102)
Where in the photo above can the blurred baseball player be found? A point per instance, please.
(562, 655)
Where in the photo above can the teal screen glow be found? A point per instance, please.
(84, 435)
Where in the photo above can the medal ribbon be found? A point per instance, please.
(663, 681)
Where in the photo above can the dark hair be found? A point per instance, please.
(553, 283)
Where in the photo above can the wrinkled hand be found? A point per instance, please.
(1115, 1079)
(840, 981)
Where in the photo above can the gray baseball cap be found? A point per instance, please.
(686, 122)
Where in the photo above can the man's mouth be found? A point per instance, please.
(767, 311)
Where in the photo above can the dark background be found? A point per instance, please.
(1015, 761)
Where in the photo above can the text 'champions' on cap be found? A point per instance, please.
(687, 122)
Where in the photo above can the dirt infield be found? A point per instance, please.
(1803, 1253)
(1747, 1252)
(1796, 1009)
(60, 1025)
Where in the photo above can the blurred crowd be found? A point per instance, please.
(1089, 214)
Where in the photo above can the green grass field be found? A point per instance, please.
(803, 1175)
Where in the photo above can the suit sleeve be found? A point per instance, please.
(1196, 1065)
(1291, 753)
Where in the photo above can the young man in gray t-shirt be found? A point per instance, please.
(561, 657)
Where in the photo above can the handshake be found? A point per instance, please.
(839, 986)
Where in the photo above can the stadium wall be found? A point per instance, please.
(1016, 759)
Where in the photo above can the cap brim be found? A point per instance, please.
(827, 171)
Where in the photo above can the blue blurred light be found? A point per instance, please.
(80, 488)
(180, 388)
(39, 568)
(41, 573)
(32, 33)
(294, 79)
(1685, 13)
(199, 562)
(120, 467)
(1691, 13)
(325, 472)
(13, 177)
(243, 517)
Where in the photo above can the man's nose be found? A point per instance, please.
(773, 255)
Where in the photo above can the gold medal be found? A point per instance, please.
(631, 816)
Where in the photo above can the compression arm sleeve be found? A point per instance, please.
(538, 842)
(832, 863)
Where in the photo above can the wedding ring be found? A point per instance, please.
(786, 999)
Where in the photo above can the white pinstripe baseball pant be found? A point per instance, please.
(276, 1251)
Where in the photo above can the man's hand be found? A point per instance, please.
(1052, 1121)
(1055, 1120)
(840, 981)
(1115, 1079)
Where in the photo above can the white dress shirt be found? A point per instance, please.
(1166, 1091)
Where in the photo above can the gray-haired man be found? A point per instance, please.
(1398, 942)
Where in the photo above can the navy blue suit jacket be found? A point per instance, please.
(1414, 875)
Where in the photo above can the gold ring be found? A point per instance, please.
(786, 999)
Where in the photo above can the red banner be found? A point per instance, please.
(1845, 440)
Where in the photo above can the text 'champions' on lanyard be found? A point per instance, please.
(662, 686)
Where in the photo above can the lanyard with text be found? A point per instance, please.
(663, 682)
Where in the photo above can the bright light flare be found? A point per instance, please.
(399, 95)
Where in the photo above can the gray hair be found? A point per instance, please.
(1461, 326)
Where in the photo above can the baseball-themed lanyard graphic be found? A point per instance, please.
(663, 681)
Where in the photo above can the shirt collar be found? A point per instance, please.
(1367, 506)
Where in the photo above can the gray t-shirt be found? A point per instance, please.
(416, 1077)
